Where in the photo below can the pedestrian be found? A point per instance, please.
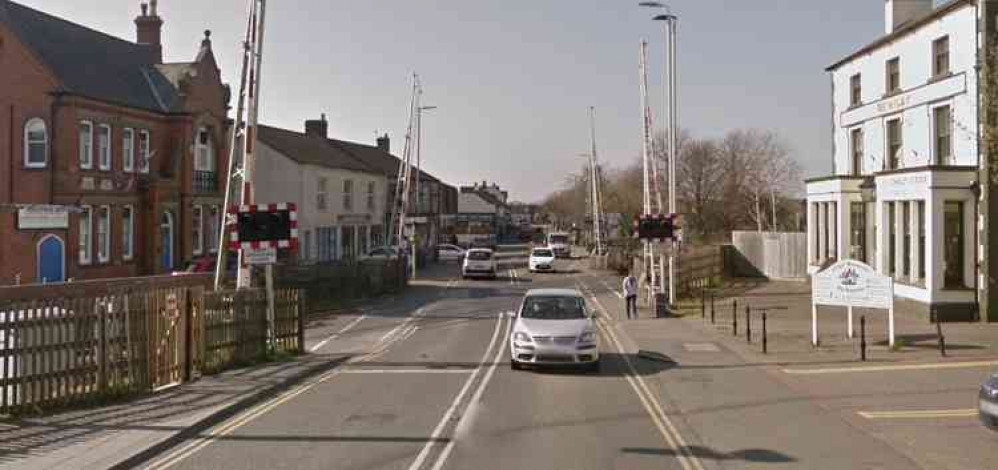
(631, 295)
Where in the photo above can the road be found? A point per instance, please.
(427, 385)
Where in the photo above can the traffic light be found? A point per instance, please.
(656, 227)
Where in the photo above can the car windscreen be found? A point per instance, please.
(543, 254)
(479, 255)
(560, 239)
(553, 308)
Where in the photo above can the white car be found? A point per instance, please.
(479, 262)
(554, 327)
(542, 259)
(382, 253)
(447, 252)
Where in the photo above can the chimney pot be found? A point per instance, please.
(899, 12)
(384, 143)
(317, 127)
(149, 32)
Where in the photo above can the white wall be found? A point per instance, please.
(922, 94)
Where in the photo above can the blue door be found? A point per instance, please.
(51, 260)
(166, 231)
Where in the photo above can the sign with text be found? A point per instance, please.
(261, 256)
(43, 218)
(850, 283)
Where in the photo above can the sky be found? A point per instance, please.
(513, 80)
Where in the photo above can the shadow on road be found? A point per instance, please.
(612, 365)
(706, 453)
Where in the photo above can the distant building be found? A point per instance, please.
(483, 213)
(110, 156)
(904, 193)
(341, 199)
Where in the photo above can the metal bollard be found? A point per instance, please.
(765, 342)
(942, 339)
(703, 302)
(862, 338)
(748, 323)
(734, 311)
(734, 323)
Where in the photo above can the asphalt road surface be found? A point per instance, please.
(428, 386)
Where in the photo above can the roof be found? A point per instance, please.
(312, 150)
(484, 195)
(377, 158)
(554, 293)
(90, 63)
(902, 30)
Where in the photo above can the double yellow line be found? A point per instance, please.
(919, 414)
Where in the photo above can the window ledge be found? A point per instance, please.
(939, 77)
(891, 94)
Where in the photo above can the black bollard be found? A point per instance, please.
(862, 338)
(734, 323)
(703, 302)
(942, 339)
(765, 343)
(748, 323)
(734, 312)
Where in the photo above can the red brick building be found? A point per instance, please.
(112, 162)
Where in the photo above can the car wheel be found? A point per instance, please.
(594, 367)
(515, 365)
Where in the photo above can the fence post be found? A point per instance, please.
(734, 322)
(102, 345)
(734, 310)
(748, 323)
(942, 339)
(713, 297)
(703, 301)
(302, 308)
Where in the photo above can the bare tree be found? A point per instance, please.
(700, 173)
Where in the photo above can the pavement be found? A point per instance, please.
(422, 381)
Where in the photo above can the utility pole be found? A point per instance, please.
(646, 167)
(671, 82)
(595, 186)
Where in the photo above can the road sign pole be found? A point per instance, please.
(850, 322)
(271, 331)
(814, 324)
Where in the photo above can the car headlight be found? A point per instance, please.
(588, 337)
(522, 337)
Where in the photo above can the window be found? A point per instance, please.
(894, 144)
(103, 234)
(906, 234)
(942, 130)
(891, 240)
(197, 222)
(377, 234)
(127, 233)
(858, 225)
(305, 253)
(856, 138)
(894, 75)
(212, 229)
(921, 239)
(104, 147)
(128, 150)
(321, 194)
(35, 144)
(370, 195)
(86, 145)
(348, 195)
(205, 155)
(85, 221)
(856, 90)
(144, 155)
(953, 245)
(940, 57)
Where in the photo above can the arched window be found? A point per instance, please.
(36, 143)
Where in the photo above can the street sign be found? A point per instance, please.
(260, 256)
(850, 283)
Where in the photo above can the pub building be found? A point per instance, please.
(904, 193)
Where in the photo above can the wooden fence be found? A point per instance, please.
(775, 255)
(699, 267)
(63, 350)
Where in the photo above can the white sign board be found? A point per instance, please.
(43, 218)
(850, 283)
(260, 256)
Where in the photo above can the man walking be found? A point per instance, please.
(631, 295)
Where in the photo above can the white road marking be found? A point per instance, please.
(919, 414)
(425, 452)
(666, 428)
(338, 333)
(442, 458)
(890, 368)
(407, 371)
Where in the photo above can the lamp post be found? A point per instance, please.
(670, 83)
(419, 180)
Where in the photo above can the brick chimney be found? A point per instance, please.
(899, 12)
(149, 31)
(385, 144)
(317, 127)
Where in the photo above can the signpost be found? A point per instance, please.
(850, 284)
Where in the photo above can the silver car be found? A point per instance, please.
(554, 327)
(987, 402)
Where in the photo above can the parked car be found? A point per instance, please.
(554, 327)
(382, 253)
(542, 259)
(987, 402)
(448, 252)
(479, 262)
(206, 264)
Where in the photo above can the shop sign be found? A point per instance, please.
(43, 218)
